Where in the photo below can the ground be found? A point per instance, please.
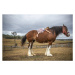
(20, 54)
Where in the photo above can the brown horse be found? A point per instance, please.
(44, 37)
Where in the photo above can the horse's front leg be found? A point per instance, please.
(48, 51)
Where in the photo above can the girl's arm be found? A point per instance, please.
(48, 31)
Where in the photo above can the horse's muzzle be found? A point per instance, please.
(68, 34)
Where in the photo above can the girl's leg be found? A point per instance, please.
(37, 34)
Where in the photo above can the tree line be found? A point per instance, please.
(11, 36)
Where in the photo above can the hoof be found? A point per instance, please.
(30, 55)
(49, 55)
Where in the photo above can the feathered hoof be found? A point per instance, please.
(30, 55)
(49, 55)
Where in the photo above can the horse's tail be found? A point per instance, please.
(23, 40)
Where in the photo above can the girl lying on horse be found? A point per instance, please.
(42, 30)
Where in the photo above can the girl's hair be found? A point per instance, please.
(46, 28)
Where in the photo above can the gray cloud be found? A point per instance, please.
(24, 23)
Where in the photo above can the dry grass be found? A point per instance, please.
(20, 54)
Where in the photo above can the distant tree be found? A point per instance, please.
(14, 33)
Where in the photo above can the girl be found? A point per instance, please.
(42, 30)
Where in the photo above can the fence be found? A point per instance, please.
(38, 46)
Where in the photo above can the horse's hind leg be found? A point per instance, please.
(29, 49)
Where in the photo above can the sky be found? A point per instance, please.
(23, 23)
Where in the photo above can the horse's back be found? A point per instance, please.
(45, 37)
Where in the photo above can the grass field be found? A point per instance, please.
(18, 54)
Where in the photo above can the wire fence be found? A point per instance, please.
(37, 46)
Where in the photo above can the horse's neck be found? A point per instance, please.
(57, 30)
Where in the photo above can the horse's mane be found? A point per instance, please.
(56, 29)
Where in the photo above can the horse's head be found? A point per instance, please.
(65, 31)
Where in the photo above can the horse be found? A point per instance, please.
(44, 37)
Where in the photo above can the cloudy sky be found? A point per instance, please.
(23, 23)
